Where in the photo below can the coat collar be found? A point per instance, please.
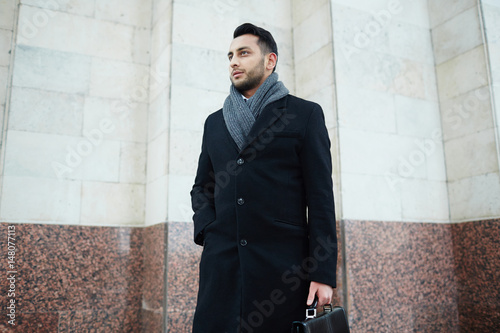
(269, 115)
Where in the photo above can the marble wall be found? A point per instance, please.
(490, 10)
(75, 278)
(159, 113)
(390, 147)
(467, 114)
(77, 119)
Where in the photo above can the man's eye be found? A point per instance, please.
(231, 57)
(244, 52)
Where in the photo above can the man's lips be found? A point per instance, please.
(237, 74)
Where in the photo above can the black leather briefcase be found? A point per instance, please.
(331, 320)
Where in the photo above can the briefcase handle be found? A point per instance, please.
(311, 310)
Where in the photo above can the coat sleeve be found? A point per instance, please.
(202, 193)
(317, 171)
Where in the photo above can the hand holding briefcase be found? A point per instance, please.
(331, 320)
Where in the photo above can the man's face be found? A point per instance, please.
(246, 63)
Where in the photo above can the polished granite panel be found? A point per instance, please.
(400, 277)
(180, 322)
(152, 322)
(31, 323)
(183, 259)
(476, 247)
(154, 278)
(182, 269)
(89, 277)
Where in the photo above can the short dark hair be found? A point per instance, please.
(266, 41)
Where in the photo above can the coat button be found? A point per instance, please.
(241, 201)
(243, 242)
(240, 161)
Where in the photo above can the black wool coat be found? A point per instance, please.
(266, 220)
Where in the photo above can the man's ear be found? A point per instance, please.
(272, 58)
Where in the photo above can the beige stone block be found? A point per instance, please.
(424, 201)
(367, 197)
(441, 11)
(157, 201)
(413, 12)
(130, 12)
(133, 162)
(491, 14)
(44, 155)
(34, 110)
(191, 107)
(78, 7)
(159, 7)
(159, 115)
(467, 114)
(160, 74)
(161, 33)
(286, 74)
(416, 117)
(112, 204)
(210, 72)
(461, 74)
(410, 42)
(366, 109)
(184, 152)
(103, 164)
(356, 32)
(5, 47)
(471, 155)
(189, 21)
(179, 200)
(122, 120)
(76, 34)
(409, 79)
(475, 198)
(119, 80)
(278, 13)
(44, 200)
(434, 158)
(302, 9)
(430, 82)
(141, 51)
(313, 33)
(51, 70)
(315, 72)
(381, 154)
(457, 35)
(158, 157)
(7, 14)
(4, 81)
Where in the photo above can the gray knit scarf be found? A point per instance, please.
(240, 115)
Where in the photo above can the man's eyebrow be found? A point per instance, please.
(239, 49)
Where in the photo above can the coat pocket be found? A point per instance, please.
(291, 223)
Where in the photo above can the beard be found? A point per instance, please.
(253, 79)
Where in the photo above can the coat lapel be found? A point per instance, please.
(269, 115)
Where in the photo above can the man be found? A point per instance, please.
(263, 200)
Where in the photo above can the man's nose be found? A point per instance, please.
(233, 63)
